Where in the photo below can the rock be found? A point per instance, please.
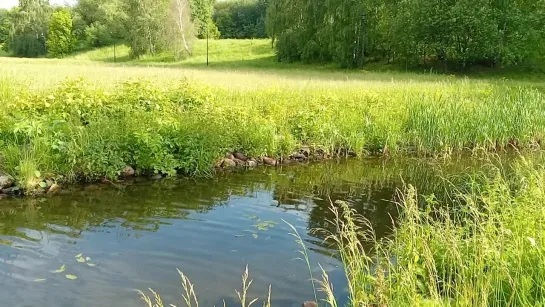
(6, 181)
(157, 177)
(270, 161)
(305, 151)
(55, 188)
(299, 157)
(240, 156)
(352, 153)
(230, 156)
(239, 162)
(11, 191)
(251, 163)
(310, 304)
(228, 163)
(128, 171)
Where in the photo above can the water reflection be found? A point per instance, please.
(139, 232)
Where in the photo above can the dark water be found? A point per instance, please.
(137, 234)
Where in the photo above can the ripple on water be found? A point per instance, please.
(209, 228)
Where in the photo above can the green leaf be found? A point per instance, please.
(37, 174)
(91, 264)
(61, 269)
(80, 259)
(88, 258)
(79, 255)
(43, 184)
(71, 277)
(255, 235)
(39, 280)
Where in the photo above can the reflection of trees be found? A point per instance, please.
(368, 185)
(136, 206)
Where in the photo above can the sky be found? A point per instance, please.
(6, 4)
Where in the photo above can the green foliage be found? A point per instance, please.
(460, 32)
(29, 28)
(99, 22)
(482, 246)
(201, 14)
(241, 18)
(5, 26)
(146, 26)
(60, 41)
(78, 130)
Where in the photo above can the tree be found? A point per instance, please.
(201, 16)
(28, 33)
(183, 30)
(99, 22)
(455, 33)
(241, 18)
(146, 25)
(5, 26)
(60, 40)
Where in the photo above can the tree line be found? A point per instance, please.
(350, 33)
(35, 28)
(241, 19)
(449, 32)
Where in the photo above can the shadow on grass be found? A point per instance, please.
(268, 64)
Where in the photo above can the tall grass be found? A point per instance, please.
(483, 248)
(190, 297)
(85, 130)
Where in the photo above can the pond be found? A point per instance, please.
(134, 235)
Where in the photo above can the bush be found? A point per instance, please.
(60, 41)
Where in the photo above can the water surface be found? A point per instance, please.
(138, 233)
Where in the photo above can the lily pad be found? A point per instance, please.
(80, 259)
(265, 225)
(79, 255)
(61, 269)
(71, 277)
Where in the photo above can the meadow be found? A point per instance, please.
(85, 118)
(80, 120)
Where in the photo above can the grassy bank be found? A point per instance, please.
(165, 123)
(483, 247)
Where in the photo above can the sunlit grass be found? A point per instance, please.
(190, 299)
(177, 121)
(484, 247)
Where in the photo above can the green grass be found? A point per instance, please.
(229, 54)
(484, 247)
(258, 54)
(176, 120)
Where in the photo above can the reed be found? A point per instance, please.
(84, 129)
